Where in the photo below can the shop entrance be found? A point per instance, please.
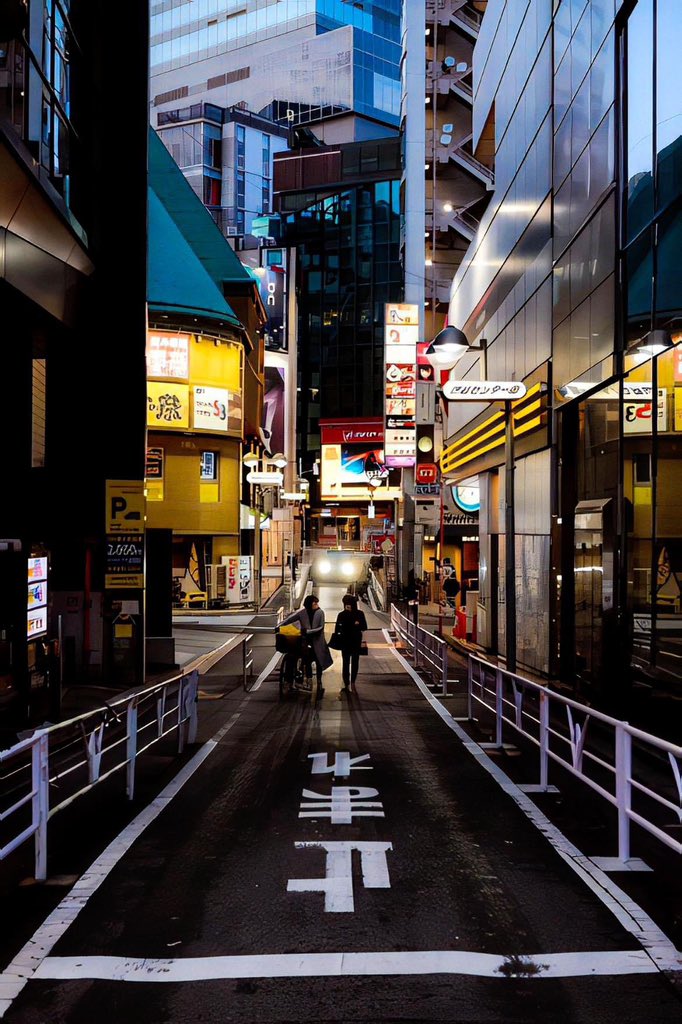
(593, 569)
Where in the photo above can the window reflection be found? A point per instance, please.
(639, 117)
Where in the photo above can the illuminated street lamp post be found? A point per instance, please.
(297, 497)
(452, 344)
(444, 352)
(261, 479)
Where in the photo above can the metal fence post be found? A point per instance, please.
(623, 789)
(181, 726)
(244, 665)
(131, 747)
(498, 707)
(544, 739)
(193, 707)
(444, 669)
(40, 777)
(470, 686)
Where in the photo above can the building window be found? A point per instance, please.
(212, 146)
(211, 191)
(266, 155)
(209, 466)
(241, 147)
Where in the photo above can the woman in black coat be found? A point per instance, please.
(350, 625)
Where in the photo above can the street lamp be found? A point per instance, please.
(260, 478)
(448, 347)
(452, 344)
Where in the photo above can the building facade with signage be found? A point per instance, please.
(204, 377)
(572, 282)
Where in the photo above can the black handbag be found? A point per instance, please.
(335, 642)
(364, 649)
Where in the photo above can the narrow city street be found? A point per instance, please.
(346, 859)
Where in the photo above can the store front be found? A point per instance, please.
(619, 564)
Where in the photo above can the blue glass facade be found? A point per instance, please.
(187, 32)
(376, 53)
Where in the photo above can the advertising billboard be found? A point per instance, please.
(352, 465)
(273, 428)
(168, 355)
(36, 597)
(167, 405)
(401, 339)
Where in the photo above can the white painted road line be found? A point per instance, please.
(29, 959)
(337, 885)
(274, 660)
(656, 943)
(325, 965)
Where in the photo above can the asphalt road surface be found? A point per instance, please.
(336, 861)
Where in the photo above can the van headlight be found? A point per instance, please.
(348, 569)
(324, 568)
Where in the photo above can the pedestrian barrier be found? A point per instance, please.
(616, 765)
(71, 758)
(428, 652)
(376, 591)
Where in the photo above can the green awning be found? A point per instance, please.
(177, 280)
(192, 218)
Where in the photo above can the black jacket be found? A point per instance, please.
(350, 627)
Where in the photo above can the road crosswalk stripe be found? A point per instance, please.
(590, 963)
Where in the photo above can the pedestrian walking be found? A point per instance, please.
(348, 635)
(451, 588)
(311, 620)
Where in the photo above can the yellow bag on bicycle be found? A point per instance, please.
(290, 630)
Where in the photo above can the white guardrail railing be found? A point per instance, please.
(620, 764)
(72, 757)
(428, 652)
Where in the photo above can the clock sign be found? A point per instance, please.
(467, 496)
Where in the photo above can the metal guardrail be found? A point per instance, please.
(71, 758)
(616, 768)
(377, 590)
(428, 652)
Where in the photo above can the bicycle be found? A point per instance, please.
(295, 670)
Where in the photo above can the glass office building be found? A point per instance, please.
(574, 282)
(227, 157)
(276, 54)
(228, 82)
(348, 248)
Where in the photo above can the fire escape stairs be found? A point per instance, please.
(455, 83)
(454, 151)
(455, 13)
(459, 219)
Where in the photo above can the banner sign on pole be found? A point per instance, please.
(401, 335)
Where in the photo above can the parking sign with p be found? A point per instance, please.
(125, 509)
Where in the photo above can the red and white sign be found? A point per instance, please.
(239, 581)
(211, 409)
(426, 473)
(168, 355)
(352, 431)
